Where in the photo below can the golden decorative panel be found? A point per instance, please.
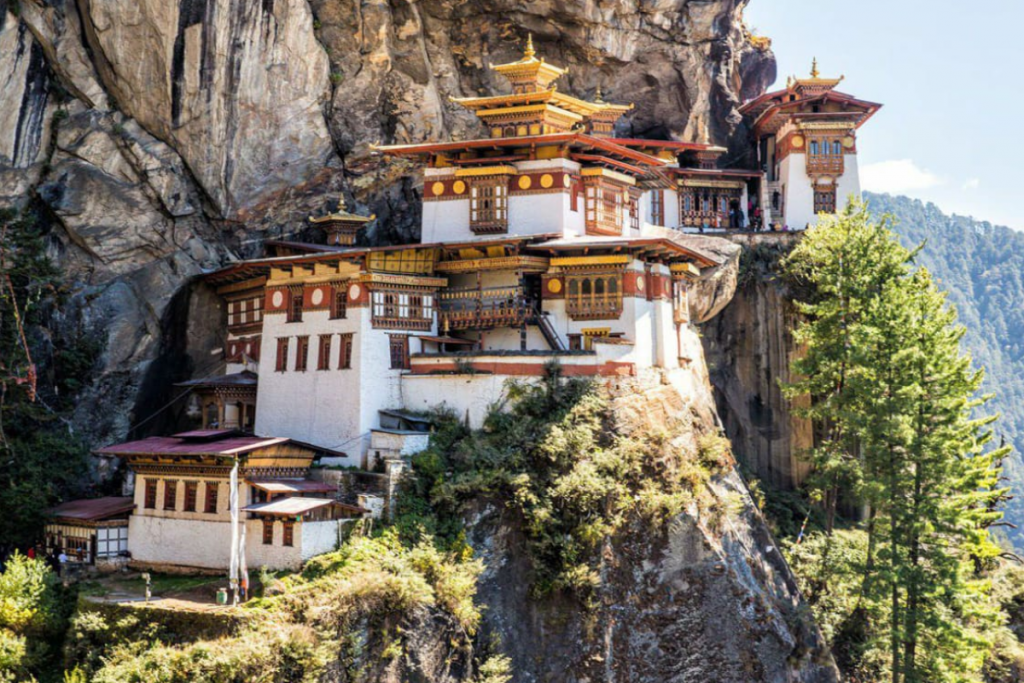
(546, 180)
(525, 182)
(459, 187)
(437, 189)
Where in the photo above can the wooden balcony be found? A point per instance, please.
(828, 164)
(607, 307)
(481, 309)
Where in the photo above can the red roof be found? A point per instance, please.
(169, 445)
(607, 145)
(93, 509)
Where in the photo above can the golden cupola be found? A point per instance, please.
(535, 106)
(341, 226)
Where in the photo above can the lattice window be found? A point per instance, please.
(212, 489)
(281, 363)
(323, 358)
(402, 309)
(825, 200)
(302, 354)
(488, 205)
(150, 493)
(594, 295)
(825, 155)
(604, 208)
(399, 347)
(339, 305)
(658, 207)
(244, 312)
(345, 352)
(191, 494)
(268, 532)
(634, 212)
(170, 494)
(295, 306)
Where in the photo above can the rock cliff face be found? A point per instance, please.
(156, 139)
(749, 348)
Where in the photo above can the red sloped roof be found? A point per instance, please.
(169, 445)
(93, 509)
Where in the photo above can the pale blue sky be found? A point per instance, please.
(951, 77)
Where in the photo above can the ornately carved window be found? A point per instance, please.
(302, 354)
(402, 309)
(604, 207)
(323, 359)
(488, 205)
(594, 295)
(825, 200)
(825, 155)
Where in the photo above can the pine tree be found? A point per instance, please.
(886, 374)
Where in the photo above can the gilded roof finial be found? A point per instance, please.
(599, 96)
(814, 69)
(529, 52)
(341, 204)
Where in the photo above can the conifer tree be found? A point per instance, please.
(886, 373)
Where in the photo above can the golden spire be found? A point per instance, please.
(599, 96)
(814, 69)
(529, 52)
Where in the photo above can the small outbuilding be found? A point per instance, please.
(90, 530)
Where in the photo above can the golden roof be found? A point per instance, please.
(342, 216)
(549, 96)
(530, 71)
(815, 83)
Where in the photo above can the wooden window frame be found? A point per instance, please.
(302, 353)
(339, 305)
(170, 494)
(212, 493)
(633, 208)
(488, 205)
(594, 296)
(294, 306)
(398, 349)
(323, 361)
(658, 207)
(402, 309)
(604, 207)
(268, 531)
(345, 352)
(149, 492)
(288, 535)
(191, 495)
(281, 364)
(825, 200)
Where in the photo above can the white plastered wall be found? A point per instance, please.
(331, 408)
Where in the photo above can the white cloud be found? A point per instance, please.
(898, 176)
(972, 184)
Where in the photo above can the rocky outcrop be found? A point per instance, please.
(705, 600)
(749, 348)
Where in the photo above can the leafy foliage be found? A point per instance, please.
(556, 460)
(33, 614)
(342, 606)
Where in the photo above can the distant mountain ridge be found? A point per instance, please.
(981, 265)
